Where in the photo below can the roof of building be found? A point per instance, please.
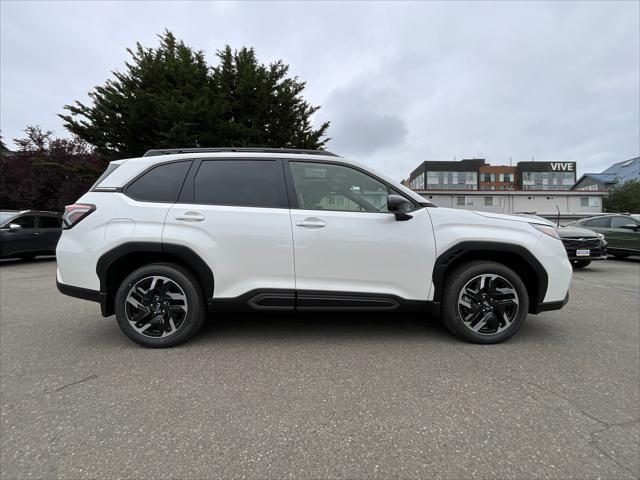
(618, 172)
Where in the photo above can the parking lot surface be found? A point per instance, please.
(320, 395)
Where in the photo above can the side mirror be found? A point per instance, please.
(15, 226)
(399, 206)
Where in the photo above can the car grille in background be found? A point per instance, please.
(573, 244)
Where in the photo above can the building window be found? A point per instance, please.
(469, 200)
(488, 201)
(460, 200)
(589, 202)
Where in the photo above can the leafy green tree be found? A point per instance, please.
(169, 97)
(624, 197)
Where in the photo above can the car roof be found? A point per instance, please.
(131, 167)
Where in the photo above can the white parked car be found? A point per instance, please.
(160, 238)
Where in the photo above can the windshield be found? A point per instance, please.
(4, 216)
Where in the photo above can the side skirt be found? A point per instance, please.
(308, 300)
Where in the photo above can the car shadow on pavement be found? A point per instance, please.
(19, 261)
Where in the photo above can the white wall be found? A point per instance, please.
(511, 203)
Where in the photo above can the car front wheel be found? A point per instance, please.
(160, 305)
(485, 302)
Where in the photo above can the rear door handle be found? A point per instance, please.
(312, 222)
(190, 217)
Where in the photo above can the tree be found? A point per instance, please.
(624, 197)
(169, 97)
(47, 173)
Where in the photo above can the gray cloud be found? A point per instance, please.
(401, 82)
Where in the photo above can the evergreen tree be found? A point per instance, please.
(169, 97)
(624, 198)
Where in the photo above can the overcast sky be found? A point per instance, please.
(400, 82)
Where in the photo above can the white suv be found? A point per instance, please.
(161, 238)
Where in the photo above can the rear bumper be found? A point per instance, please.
(546, 306)
(85, 294)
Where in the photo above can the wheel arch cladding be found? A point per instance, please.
(114, 265)
(515, 257)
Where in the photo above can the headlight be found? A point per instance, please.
(601, 236)
(546, 229)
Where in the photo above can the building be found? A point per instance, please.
(498, 178)
(570, 204)
(547, 175)
(455, 175)
(618, 172)
(476, 174)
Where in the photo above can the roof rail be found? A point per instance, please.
(174, 151)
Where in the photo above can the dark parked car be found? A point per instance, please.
(622, 233)
(28, 233)
(582, 245)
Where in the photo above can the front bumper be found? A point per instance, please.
(547, 306)
(591, 259)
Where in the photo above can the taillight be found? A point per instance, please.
(74, 213)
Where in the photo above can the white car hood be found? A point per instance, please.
(500, 216)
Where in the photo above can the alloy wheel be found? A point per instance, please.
(156, 306)
(488, 304)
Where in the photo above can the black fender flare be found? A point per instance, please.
(459, 250)
(188, 256)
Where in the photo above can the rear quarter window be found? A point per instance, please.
(159, 184)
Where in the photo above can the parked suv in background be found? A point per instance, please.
(583, 246)
(622, 233)
(28, 233)
(160, 238)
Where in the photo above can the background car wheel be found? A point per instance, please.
(580, 263)
(160, 305)
(485, 302)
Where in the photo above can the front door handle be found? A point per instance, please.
(312, 222)
(190, 217)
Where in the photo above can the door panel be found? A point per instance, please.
(23, 240)
(364, 252)
(239, 224)
(50, 230)
(344, 239)
(246, 248)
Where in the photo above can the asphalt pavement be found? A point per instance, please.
(320, 395)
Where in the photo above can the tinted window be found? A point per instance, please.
(50, 222)
(619, 222)
(598, 222)
(324, 186)
(241, 183)
(160, 184)
(25, 222)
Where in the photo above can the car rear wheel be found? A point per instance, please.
(160, 305)
(580, 263)
(486, 302)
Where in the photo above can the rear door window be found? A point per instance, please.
(619, 222)
(240, 183)
(50, 222)
(159, 184)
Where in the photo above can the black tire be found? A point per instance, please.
(580, 263)
(466, 273)
(195, 303)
